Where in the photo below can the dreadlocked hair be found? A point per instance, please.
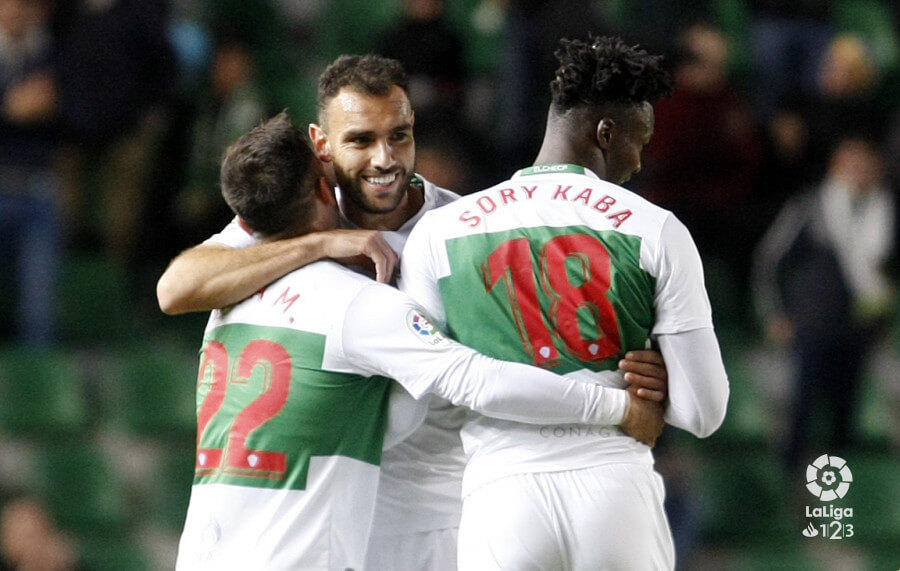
(606, 70)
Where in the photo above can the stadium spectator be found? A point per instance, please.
(821, 283)
(231, 105)
(115, 67)
(844, 102)
(431, 51)
(706, 152)
(30, 541)
(29, 213)
(787, 39)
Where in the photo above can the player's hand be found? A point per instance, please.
(645, 372)
(643, 419)
(362, 247)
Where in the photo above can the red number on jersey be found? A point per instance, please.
(215, 362)
(512, 262)
(276, 364)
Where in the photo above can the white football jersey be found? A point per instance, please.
(290, 431)
(421, 479)
(560, 269)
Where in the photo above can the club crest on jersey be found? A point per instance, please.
(423, 328)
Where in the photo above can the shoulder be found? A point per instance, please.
(234, 235)
(311, 298)
(325, 280)
(436, 196)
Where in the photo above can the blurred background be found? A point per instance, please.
(778, 150)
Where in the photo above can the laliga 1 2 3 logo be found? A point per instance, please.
(828, 477)
(423, 328)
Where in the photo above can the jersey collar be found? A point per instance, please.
(560, 168)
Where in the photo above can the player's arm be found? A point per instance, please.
(697, 380)
(386, 333)
(698, 383)
(211, 275)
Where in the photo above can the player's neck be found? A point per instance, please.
(557, 151)
(562, 145)
(411, 204)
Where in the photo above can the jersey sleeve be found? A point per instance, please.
(698, 383)
(386, 333)
(233, 235)
(681, 302)
(419, 273)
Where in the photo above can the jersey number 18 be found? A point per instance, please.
(511, 262)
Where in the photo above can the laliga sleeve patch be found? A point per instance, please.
(423, 328)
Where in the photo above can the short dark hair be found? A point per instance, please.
(268, 177)
(369, 74)
(606, 70)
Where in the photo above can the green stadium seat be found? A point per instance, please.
(95, 304)
(113, 554)
(353, 26)
(792, 558)
(748, 418)
(875, 423)
(152, 393)
(732, 17)
(480, 25)
(41, 394)
(882, 559)
(170, 489)
(81, 489)
(744, 500)
(874, 496)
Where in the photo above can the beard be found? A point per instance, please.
(351, 189)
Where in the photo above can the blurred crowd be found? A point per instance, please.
(115, 113)
(778, 149)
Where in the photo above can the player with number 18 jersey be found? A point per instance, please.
(557, 268)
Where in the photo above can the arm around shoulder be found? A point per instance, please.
(213, 275)
(181, 287)
(386, 333)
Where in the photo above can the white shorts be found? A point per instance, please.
(425, 551)
(606, 517)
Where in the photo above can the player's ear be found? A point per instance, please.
(320, 142)
(605, 133)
